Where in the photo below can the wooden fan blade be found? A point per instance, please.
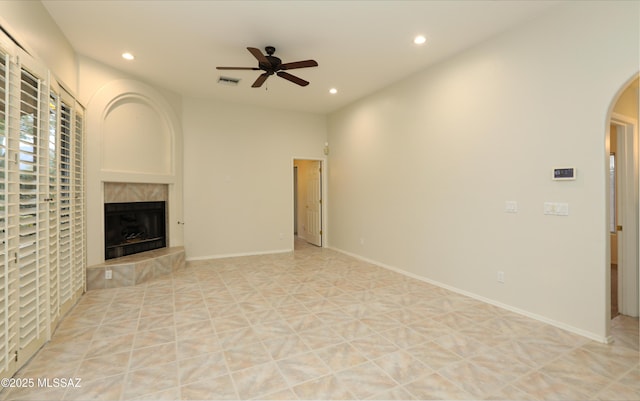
(258, 55)
(293, 78)
(260, 80)
(298, 64)
(238, 68)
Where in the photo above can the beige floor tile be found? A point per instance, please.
(503, 364)
(396, 393)
(150, 380)
(461, 345)
(148, 338)
(532, 353)
(111, 345)
(102, 366)
(510, 393)
(286, 346)
(199, 329)
(365, 380)
(341, 356)
(632, 377)
(28, 394)
(402, 367)
(230, 322)
(170, 394)
(436, 387)
(618, 392)
(190, 347)
(153, 356)
(433, 355)
(374, 346)
(246, 356)
(473, 379)
(272, 329)
(404, 337)
(543, 387)
(239, 337)
(302, 367)
(219, 388)
(316, 324)
(107, 388)
(320, 337)
(259, 380)
(204, 366)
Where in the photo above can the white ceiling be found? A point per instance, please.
(360, 46)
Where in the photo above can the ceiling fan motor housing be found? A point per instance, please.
(275, 64)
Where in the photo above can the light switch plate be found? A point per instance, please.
(556, 208)
(511, 207)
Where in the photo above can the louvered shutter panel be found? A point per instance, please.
(42, 226)
(5, 348)
(12, 207)
(28, 245)
(54, 295)
(64, 196)
(79, 234)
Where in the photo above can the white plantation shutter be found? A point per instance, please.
(42, 209)
(7, 299)
(79, 233)
(11, 204)
(31, 270)
(52, 160)
(65, 269)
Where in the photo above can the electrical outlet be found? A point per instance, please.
(511, 207)
(500, 277)
(108, 274)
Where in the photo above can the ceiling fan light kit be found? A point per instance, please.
(271, 65)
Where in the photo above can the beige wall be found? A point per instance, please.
(238, 182)
(30, 24)
(419, 172)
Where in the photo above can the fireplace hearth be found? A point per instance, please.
(133, 227)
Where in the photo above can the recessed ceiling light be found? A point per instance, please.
(127, 56)
(419, 40)
(333, 91)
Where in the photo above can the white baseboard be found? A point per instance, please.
(555, 323)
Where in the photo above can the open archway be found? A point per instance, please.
(623, 183)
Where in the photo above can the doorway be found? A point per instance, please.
(623, 215)
(308, 201)
(623, 183)
(623, 192)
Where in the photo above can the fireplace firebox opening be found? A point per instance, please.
(133, 227)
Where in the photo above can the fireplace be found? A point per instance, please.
(133, 227)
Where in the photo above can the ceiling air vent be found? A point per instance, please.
(228, 81)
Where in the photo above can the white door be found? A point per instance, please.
(627, 191)
(313, 204)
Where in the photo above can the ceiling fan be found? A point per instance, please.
(271, 64)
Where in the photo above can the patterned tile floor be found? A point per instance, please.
(316, 324)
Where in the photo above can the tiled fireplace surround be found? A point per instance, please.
(135, 269)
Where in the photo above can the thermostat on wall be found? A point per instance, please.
(564, 173)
